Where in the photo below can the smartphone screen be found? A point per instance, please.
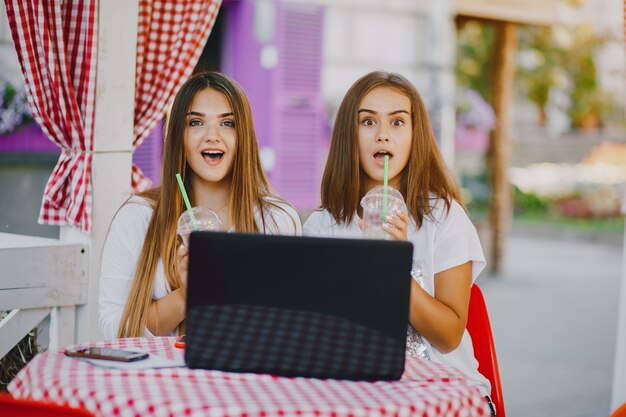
(108, 353)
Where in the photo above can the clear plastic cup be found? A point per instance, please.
(206, 219)
(372, 204)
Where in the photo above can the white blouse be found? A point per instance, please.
(448, 241)
(123, 246)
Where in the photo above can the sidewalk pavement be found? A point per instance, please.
(553, 310)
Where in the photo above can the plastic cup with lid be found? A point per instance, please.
(205, 219)
(372, 204)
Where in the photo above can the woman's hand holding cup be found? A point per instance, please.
(182, 262)
(203, 219)
(396, 221)
(397, 225)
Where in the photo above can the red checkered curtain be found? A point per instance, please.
(170, 39)
(55, 42)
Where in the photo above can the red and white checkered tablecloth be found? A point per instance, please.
(426, 389)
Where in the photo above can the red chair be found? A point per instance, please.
(13, 407)
(479, 328)
(620, 412)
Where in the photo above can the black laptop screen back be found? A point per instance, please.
(298, 306)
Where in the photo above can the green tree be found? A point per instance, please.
(540, 66)
(590, 105)
(474, 57)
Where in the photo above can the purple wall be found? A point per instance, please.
(240, 60)
(289, 111)
(149, 154)
(31, 139)
(28, 138)
(300, 112)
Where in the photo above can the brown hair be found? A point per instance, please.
(249, 188)
(424, 173)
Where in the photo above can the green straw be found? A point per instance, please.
(385, 182)
(194, 224)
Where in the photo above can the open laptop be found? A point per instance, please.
(298, 306)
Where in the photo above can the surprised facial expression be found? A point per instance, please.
(385, 128)
(210, 137)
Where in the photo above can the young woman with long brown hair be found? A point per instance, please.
(210, 140)
(383, 114)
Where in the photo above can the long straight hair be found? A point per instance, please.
(424, 173)
(248, 190)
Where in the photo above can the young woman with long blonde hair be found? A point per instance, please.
(210, 140)
(382, 114)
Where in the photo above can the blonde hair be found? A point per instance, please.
(249, 188)
(424, 173)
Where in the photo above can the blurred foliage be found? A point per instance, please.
(528, 203)
(539, 66)
(550, 59)
(591, 224)
(575, 210)
(562, 58)
(14, 110)
(476, 192)
(575, 3)
(474, 57)
(17, 358)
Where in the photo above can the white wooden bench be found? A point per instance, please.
(40, 277)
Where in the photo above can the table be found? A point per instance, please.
(425, 389)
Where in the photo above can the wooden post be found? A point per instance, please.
(113, 140)
(498, 156)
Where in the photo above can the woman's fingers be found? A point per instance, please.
(402, 217)
(396, 225)
(182, 253)
(182, 261)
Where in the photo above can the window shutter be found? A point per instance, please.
(149, 154)
(299, 117)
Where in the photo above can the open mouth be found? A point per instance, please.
(213, 156)
(380, 156)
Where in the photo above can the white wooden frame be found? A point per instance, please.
(113, 143)
(40, 277)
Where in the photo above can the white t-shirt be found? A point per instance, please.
(123, 246)
(449, 241)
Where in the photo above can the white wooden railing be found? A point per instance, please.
(40, 277)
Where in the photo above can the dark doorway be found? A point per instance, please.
(211, 57)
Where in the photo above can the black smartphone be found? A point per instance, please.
(108, 354)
